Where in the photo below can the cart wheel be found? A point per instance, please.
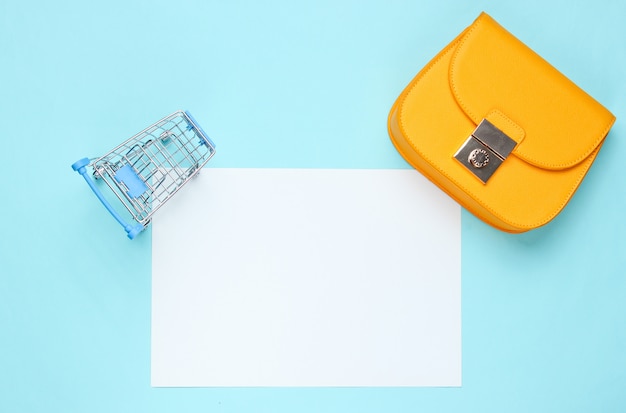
(81, 163)
(133, 231)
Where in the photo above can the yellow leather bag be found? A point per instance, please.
(498, 128)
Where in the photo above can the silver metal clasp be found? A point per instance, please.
(485, 150)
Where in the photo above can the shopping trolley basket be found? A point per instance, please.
(148, 169)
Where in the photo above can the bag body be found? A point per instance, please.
(498, 128)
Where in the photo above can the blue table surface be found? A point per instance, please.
(286, 84)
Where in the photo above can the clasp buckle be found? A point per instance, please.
(485, 150)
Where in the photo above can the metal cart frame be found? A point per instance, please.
(145, 171)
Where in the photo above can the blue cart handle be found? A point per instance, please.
(131, 230)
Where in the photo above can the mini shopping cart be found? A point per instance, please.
(148, 169)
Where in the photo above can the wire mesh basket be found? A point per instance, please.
(145, 171)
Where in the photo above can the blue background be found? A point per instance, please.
(286, 84)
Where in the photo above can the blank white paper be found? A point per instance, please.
(307, 277)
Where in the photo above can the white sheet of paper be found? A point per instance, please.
(307, 277)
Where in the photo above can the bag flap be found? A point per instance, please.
(555, 123)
